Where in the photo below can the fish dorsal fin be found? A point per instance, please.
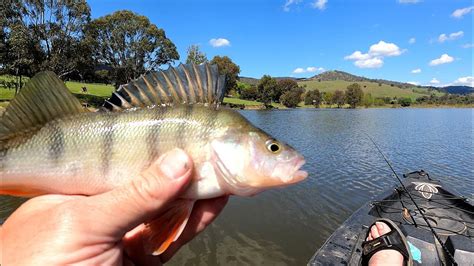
(185, 84)
(44, 98)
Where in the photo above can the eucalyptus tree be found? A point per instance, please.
(130, 45)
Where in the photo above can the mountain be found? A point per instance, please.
(457, 89)
(341, 75)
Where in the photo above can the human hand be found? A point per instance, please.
(105, 228)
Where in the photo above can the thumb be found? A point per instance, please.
(124, 208)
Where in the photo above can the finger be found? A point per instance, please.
(374, 231)
(204, 212)
(124, 208)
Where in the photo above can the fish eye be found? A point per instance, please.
(273, 146)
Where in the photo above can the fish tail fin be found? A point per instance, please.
(160, 233)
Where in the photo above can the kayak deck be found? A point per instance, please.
(451, 216)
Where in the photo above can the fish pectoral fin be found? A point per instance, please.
(161, 232)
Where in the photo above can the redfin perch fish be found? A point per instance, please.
(49, 143)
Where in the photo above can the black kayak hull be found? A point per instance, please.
(451, 216)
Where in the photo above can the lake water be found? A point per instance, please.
(286, 226)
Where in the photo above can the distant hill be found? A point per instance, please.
(341, 75)
(251, 81)
(254, 81)
(457, 89)
(330, 81)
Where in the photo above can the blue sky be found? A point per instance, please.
(429, 42)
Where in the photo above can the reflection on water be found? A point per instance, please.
(286, 226)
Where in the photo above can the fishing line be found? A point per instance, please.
(450, 256)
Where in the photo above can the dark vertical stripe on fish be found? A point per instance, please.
(56, 142)
(107, 143)
(152, 138)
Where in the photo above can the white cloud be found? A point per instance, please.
(369, 63)
(416, 83)
(444, 59)
(384, 49)
(434, 81)
(409, 1)
(288, 3)
(451, 37)
(219, 42)
(299, 70)
(459, 13)
(357, 55)
(416, 71)
(314, 69)
(374, 57)
(310, 69)
(412, 40)
(319, 4)
(467, 45)
(464, 81)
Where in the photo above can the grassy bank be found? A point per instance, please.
(369, 87)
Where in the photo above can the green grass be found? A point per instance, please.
(96, 89)
(368, 87)
(240, 101)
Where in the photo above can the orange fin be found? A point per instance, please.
(160, 233)
(21, 192)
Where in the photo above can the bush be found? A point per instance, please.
(313, 98)
(405, 102)
(249, 93)
(292, 98)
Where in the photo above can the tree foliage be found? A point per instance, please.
(354, 95)
(292, 98)
(283, 86)
(265, 88)
(338, 98)
(195, 56)
(130, 44)
(45, 35)
(249, 93)
(229, 69)
(313, 97)
(405, 102)
(367, 100)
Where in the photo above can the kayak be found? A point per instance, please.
(450, 216)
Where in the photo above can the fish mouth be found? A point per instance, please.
(299, 175)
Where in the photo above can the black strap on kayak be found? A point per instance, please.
(450, 256)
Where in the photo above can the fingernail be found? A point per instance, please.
(175, 164)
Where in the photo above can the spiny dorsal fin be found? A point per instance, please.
(185, 84)
(44, 98)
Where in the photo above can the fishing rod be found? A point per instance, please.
(450, 256)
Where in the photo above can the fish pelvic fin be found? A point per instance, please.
(44, 98)
(160, 233)
(185, 84)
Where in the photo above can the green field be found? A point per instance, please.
(98, 93)
(368, 87)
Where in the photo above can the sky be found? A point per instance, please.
(425, 42)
